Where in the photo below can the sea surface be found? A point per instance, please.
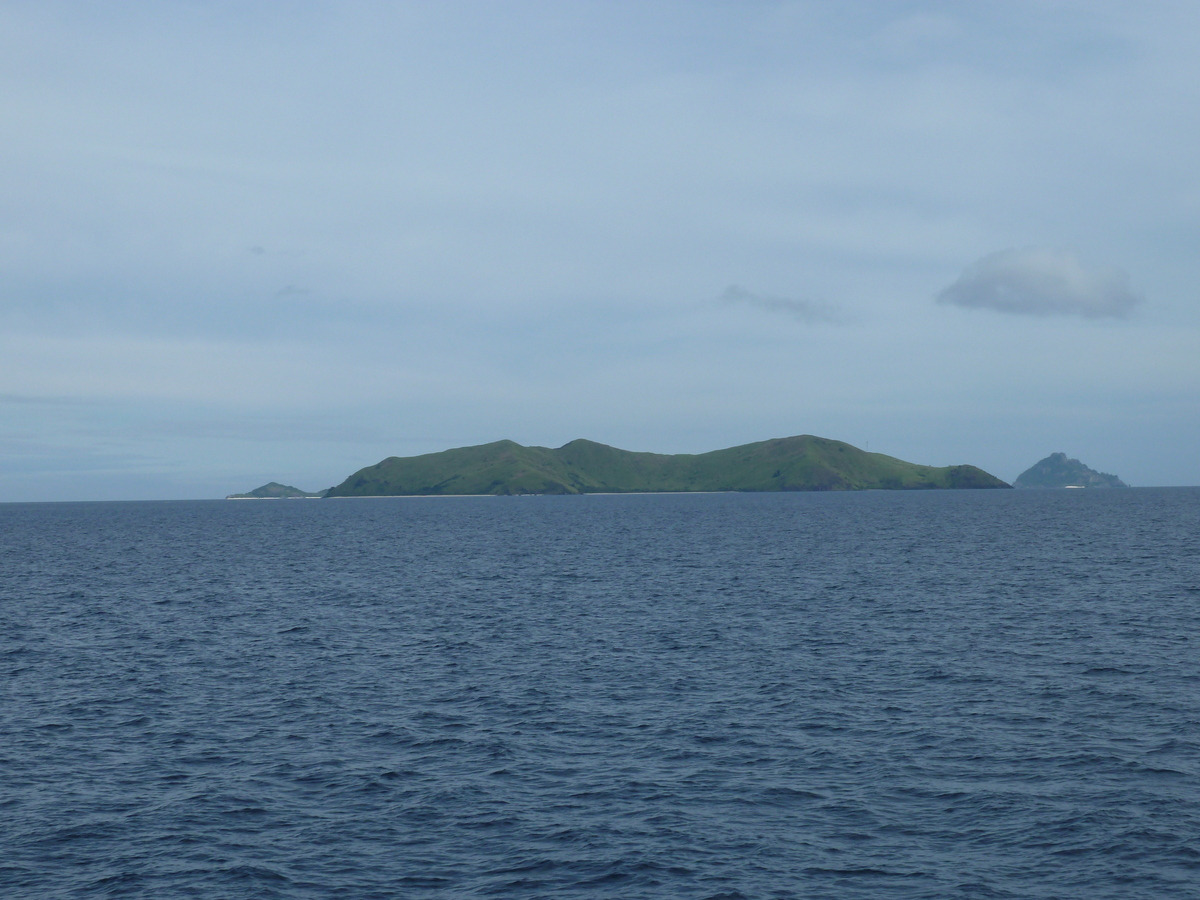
(963, 694)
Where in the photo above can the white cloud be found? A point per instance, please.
(1041, 281)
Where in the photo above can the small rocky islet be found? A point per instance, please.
(273, 490)
(1058, 471)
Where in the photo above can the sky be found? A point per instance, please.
(243, 243)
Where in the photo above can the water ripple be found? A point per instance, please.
(927, 695)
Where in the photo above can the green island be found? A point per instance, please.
(801, 463)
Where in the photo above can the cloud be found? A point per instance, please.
(805, 310)
(1041, 281)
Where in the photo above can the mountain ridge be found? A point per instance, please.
(798, 463)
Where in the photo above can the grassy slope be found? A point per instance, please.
(803, 463)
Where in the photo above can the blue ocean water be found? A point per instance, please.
(971, 694)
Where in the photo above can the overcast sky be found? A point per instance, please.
(252, 242)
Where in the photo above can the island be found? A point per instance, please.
(1057, 471)
(801, 463)
(273, 490)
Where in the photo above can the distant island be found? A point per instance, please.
(802, 463)
(275, 491)
(1056, 471)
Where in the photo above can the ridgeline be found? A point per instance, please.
(803, 463)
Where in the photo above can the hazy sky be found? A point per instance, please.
(252, 242)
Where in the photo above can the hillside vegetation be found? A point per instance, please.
(803, 463)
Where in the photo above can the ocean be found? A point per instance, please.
(961, 694)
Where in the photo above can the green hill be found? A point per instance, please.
(803, 463)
